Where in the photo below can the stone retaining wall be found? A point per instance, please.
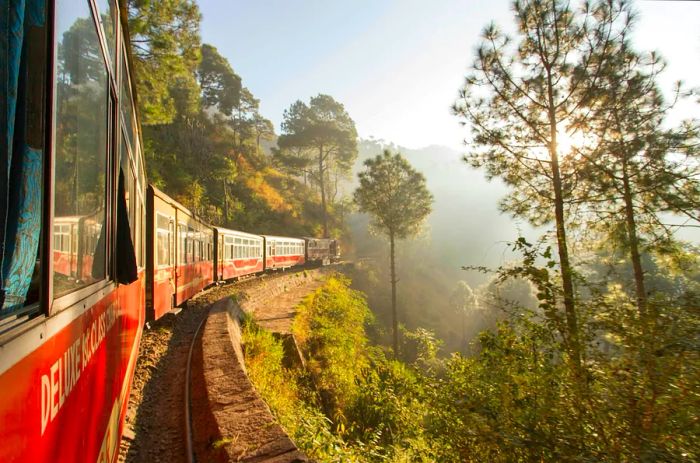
(248, 431)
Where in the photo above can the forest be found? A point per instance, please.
(583, 346)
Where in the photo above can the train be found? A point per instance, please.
(89, 251)
(184, 254)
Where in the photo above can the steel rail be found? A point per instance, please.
(189, 440)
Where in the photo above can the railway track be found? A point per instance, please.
(189, 436)
(164, 418)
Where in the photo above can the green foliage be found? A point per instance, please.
(221, 87)
(351, 404)
(394, 194)
(318, 139)
(396, 197)
(329, 327)
(202, 129)
(165, 43)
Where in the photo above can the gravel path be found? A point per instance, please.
(277, 314)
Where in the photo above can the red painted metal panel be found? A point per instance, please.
(67, 399)
(192, 278)
(284, 261)
(233, 268)
(163, 290)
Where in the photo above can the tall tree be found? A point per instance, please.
(638, 170)
(221, 86)
(264, 130)
(520, 98)
(322, 129)
(397, 198)
(166, 45)
(243, 115)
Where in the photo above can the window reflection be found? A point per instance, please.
(108, 20)
(81, 126)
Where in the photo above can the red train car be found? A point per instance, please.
(179, 254)
(73, 186)
(74, 239)
(283, 252)
(238, 254)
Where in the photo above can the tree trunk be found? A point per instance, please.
(634, 244)
(321, 185)
(565, 264)
(394, 314)
(640, 425)
(573, 341)
(464, 332)
(225, 204)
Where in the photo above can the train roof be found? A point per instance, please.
(281, 238)
(237, 232)
(164, 196)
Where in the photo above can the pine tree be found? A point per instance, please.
(397, 198)
(518, 101)
(322, 131)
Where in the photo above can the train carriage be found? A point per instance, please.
(321, 251)
(73, 187)
(283, 252)
(237, 254)
(180, 260)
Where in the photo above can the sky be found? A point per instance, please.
(397, 65)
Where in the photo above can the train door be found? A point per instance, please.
(181, 257)
(172, 269)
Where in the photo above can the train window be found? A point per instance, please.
(80, 143)
(142, 235)
(129, 187)
(125, 101)
(228, 248)
(190, 245)
(24, 78)
(108, 20)
(182, 242)
(162, 240)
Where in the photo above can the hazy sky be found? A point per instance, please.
(396, 65)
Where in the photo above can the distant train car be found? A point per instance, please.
(283, 252)
(74, 242)
(72, 283)
(237, 254)
(318, 250)
(179, 254)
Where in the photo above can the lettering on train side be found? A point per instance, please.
(60, 379)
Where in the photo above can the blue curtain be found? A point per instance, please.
(21, 169)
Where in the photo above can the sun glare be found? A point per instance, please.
(568, 142)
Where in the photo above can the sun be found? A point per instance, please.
(568, 141)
